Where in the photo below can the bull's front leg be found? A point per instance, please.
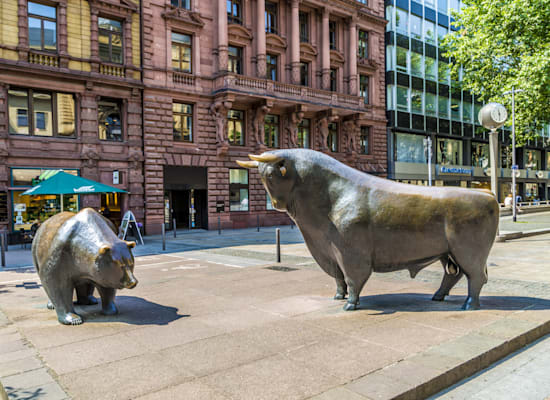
(355, 283)
(341, 289)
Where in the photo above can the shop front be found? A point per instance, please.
(27, 210)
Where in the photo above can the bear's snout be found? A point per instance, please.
(129, 280)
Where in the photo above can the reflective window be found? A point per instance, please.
(42, 20)
(455, 109)
(110, 40)
(431, 103)
(182, 115)
(416, 64)
(235, 124)
(333, 79)
(364, 88)
(416, 27)
(443, 71)
(363, 45)
(402, 59)
(268, 203)
(304, 133)
(402, 98)
(449, 151)
(304, 27)
(506, 157)
(271, 128)
(271, 17)
(364, 140)
(430, 68)
(271, 61)
(429, 31)
(181, 52)
(532, 159)
(238, 190)
(332, 138)
(480, 154)
(401, 21)
(416, 101)
(332, 35)
(234, 12)
(441, 32)
(235, 59)
(409, 148)
(181, 4)
(442, 6)
(304, 74)
(109, 119)
(443, 106)
(467, 111)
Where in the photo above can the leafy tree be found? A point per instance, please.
(505, 44)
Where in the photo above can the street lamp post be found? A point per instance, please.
(428, 150)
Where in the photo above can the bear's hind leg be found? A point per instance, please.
(84, 294)
(108, 306)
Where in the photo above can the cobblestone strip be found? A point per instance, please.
(22, 372)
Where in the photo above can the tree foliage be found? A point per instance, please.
(505, 44)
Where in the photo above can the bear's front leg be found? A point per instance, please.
(61, 297)
(108, 306)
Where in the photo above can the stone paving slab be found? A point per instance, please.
(197, 327)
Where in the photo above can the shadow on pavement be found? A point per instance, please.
(134, 311)
(25, 394)
(420, 302)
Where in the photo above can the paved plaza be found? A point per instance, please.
(214, 317)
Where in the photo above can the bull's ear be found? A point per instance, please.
(104, 250)
(131, 245)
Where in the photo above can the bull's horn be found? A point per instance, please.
(265, 158)
(248, 164)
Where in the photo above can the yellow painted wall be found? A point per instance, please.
(8, 28)
(135, 40)
(78, 33)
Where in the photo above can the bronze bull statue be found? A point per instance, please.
(354, 223)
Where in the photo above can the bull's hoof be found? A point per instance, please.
(438, 297)
(50, 306)
(109, 309)
(470, 304)
(70, 319)
(87, 301)
(351, 306)
(340, 296)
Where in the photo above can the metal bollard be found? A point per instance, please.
(219, 225)
(174, 225)
(292, 225)
(278, 240)
(3, 248)
(258, 222)
(163, 237)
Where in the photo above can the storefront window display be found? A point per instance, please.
(531, 191)
(532, 159)
(480, 155)
(449, 152)
(409, 148)
(505, 157)
(28, 209)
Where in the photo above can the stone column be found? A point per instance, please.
(94, 44)
(196, 67)
(23, 32)
(325, 46)
(295, 42)
(261, 67)
(352, 58)
(128, 41)
(63, 36)
(222, 36)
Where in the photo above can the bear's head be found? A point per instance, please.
(116, 265)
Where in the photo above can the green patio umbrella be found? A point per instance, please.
(63, 183)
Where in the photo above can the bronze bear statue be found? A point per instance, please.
(79, 251)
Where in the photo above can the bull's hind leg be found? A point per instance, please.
(449, 280)
(84, 294)
(475, 283)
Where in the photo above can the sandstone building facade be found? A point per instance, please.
(161, 97)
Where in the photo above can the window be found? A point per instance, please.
(402, 21)
(238, 190)
(364, 140)
(443, 71)
(416, 101)
(304, 133)
(402, 96)
(332, 138)
(363, 45)
(235, 124)
(441, 32)
(416, 64)
(443, 106)
(409, 148)
(304, 27)
(480, 154)
(467, 111)
(430, 68)
(455, 109)
(429, 31)
(110, 40)
(332, 34)
(506, 157)
(431, 103)
(271, 17)
(416, 27)
(531, 159)
(182, 116)
(234, 12)
(449, 151)
(442, 6)
(364, 88)
(54, 114)
(235, 60)
(268, 203)
(333, 79)
(402, 59)
(181, 4)
(42, 27)
(181, 52)
(110, 122)
(271, 67)
(271, 127)
(304, 74)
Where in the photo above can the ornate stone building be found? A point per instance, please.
(70, 98)
(224, 78)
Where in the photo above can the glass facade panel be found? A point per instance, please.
(416, 101)
(238, 190)
(467, 111)
(455, 109)
(409, 148)
(506, 157)
(532, 159)
(416, 27)
(443, 106)
(480, 154)
(402, 98)
(402, 21)
(429, 31)
(449, 151)
(431, 104)
(416, 64)
(441, 32)
(442, 6)
(531, 191)
(443, 71)
(402, 59)
(430, 68)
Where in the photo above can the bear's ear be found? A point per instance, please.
(131, 245)
(104, 249)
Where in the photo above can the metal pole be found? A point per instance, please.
(219, 225)
(258, 222)
(493, 149)
(429, 161)
(163, 237)
(278, 241)
(174, 225)
(3, 250)
(514, 202)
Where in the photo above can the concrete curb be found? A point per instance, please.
(518, 235)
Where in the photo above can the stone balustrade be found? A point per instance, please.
(48, 60)
(182, 78)
(112, 70)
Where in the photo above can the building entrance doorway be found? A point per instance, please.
(185, 198)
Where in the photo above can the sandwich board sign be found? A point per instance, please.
(129, 220)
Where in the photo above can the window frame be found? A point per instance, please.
(231, 17)
(333, 79)
(303, 128)
(110, 35)
(181, 48)
(231, 121)
(365, 94)
(304, 77)
(179, 5)
(270, 67)
(303, 18)
(273, 14)
(54, 110)
(120, 104)
(239, 60)
(363, 44)
(238, 187)
(365, 132)
(182, 115)
(42, 19)
(333, 137)
(332, 35)
(272, 134)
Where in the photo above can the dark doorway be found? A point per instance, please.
(185, 197)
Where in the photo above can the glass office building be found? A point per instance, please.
(423, 101)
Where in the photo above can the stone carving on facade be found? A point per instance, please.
(219, 110)
(291, 128)
(261, 65)
(89, 156)
(322, 128)
(183, 15)
(351, 131)
(134, 158)
(258, 125)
